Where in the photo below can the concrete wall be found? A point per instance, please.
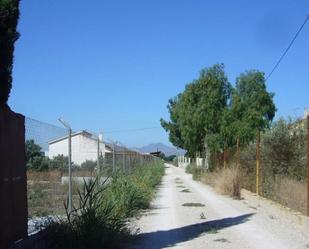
(83, 148)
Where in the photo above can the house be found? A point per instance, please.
(84, 147)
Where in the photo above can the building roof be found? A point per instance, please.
(83, 133)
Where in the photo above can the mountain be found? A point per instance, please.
(167, 150)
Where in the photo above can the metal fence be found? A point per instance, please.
(49, 149)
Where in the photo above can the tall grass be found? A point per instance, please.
(100, 219)
(225, 181)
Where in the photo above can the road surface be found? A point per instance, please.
(221, 223)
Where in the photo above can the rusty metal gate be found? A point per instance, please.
(13, 183)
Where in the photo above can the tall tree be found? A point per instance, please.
(9, 14)
(195, 114)
(252, 105)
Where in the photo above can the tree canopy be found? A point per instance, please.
(196, 113)
(252, 106)
(35, 157)
(210, 112)
(9, 14)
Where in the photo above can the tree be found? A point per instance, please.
(89, 165)
(59, 162)
(195, 114)
(252, 106)
(9, 15)
(35, 158)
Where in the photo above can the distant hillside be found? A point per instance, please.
(161, 147)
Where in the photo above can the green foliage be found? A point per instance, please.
(284, 149)
(59, 162)
(35, 157)
(170, 158)
(89, 165)
(283, 153)
(252, 107)
(9, 14)
(210, 114)
(100, 219)
(195, 114)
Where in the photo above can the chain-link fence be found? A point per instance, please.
(49, 149)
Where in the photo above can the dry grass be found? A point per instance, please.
(227, 181)
(55, 175)
(290, 193)
(51, 175)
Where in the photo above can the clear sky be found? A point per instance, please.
(113, 65)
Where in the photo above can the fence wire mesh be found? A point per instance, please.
(47, 156)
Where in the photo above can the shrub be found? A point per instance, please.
(100, 220)
(88, 165)
(228, 182)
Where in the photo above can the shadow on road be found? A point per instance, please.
(162, 239)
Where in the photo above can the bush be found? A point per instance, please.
(229, 182)
(88, 165)
(100, 219)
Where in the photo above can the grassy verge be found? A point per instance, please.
(100, 218)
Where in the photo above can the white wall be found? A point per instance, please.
(83, 148)
(183, 161)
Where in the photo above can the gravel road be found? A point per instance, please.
(221, 223)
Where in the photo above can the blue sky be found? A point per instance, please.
(113, 65)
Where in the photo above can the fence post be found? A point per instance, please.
(98, 155)
(308, 165)
(65, 124)
(258, 141)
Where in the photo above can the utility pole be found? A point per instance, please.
(124, 159)
(237, 154)
(66, 125)
(308, 165)
(224, 155)
(258, 158)
(113, 157)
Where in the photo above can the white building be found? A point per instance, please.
(84, 147)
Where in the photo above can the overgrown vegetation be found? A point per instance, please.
(100, 218)
(283, 163)
(229, 182)
(283, 166)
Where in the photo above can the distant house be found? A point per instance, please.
(84, 147)
(156, 153)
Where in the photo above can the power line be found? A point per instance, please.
(133, 130)
(287, 49)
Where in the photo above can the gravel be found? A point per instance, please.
(221, 223)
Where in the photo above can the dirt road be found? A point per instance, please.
(221, 223)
